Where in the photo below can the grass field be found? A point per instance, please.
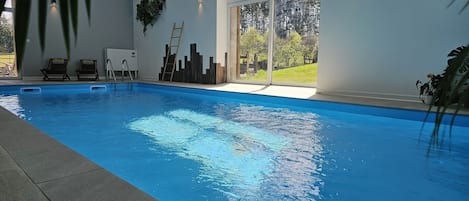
(7, 58)
(304, 74)
(4, 60)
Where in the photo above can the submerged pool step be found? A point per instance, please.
(30, 90)
(98, 88)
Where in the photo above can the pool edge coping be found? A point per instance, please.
(321, 98)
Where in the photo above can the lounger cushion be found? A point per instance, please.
(58, 61)
(87, 62)
(87, 66)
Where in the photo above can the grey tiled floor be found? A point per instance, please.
(33, 166)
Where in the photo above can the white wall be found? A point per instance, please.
(111, 26)
(222, 31)
(200, 28)
(380, 48)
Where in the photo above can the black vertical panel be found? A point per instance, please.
(187, 70)
(200, 67)
(184, 77)
(193, 70)
(194, 62)
(213, 70)
(180, 72)
(161, 75)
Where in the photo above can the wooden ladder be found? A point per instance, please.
(170, 64)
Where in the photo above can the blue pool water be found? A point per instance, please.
(188, 144)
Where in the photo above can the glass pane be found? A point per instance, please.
(249, 40)
(8, 4)
(7, 53)
(296, 41)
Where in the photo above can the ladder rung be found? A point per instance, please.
(168, 72)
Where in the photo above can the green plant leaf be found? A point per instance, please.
(22, 12)
(450, 3)
(64, 14)
(42, 22)
(2, 5)
(74, 17)
(88, 10)
(448, 91)
(149, 11)
(464, 7)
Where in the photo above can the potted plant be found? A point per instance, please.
(452, 89)
(148, 12)
(428, 90)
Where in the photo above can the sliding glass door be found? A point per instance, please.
(287, 55)
(296, 42)
(7, 46)
(249, 39)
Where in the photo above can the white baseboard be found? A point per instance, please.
(73, 78)
(374, 95)
(32, 78)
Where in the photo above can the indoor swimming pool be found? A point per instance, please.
(178, 143)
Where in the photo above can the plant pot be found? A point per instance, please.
(427, 99)
(466, 104)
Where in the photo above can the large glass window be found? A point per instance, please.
(7, 46)
(294, 41)
(250, 38)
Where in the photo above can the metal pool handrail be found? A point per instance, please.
(124, 61)
(109, 63)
